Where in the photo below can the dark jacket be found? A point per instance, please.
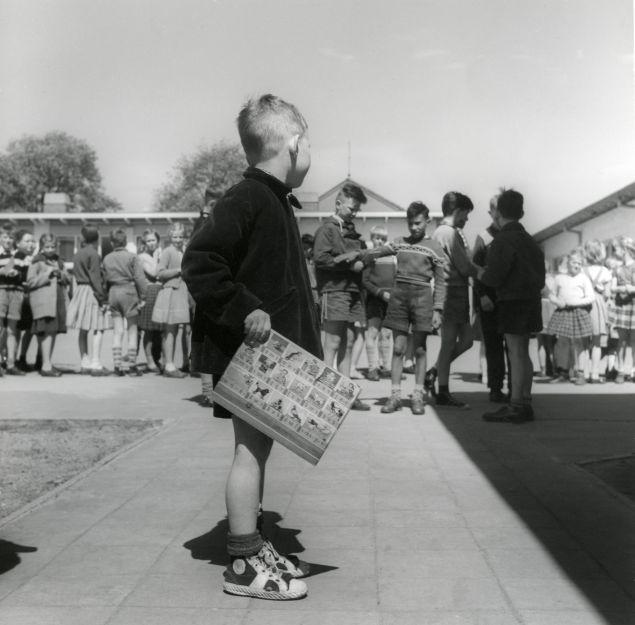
(332, 239)
(515, 265)
(480, 250)
(248, 255)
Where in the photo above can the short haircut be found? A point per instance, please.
(510, 204)
(90, 234)
(118, 237)
(415, 209)
(350, 190)
(379, 231)
(47, 238)
(595, 252)
(177, 226)
(265, 124)
(493, 203)
(20, 234)
(7, 227)
(148, 231)
(454, 201)
(575, 256)
(627, 244)
(308, 239)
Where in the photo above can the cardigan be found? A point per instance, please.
(42, 287)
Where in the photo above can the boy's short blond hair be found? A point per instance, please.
(379, 231)
(265, 124)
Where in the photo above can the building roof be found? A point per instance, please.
(367, 191)
(622, 197)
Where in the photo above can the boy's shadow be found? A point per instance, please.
(9, 557)
(212, 546)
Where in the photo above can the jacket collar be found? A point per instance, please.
(512, 225)
(282, 191)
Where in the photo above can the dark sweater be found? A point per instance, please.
(248, 255)
(515, 265)
(87, 270)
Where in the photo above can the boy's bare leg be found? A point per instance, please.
(334, 336)
(359, 336)
(419, 344)
(12, 342)
(244, 489)
(132, 341)
(400, 345)
(372, 340)
(117, 340)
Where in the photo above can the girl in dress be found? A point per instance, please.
(600, 277)
(149, 257)
(545, 340)
(571, 323)
(88, 308)
(172, 306)
(623, 317)
(47, 281)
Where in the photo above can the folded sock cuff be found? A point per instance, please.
(241, 545)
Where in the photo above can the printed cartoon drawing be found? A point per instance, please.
(329, 378)
(262, 391)
(280, 376)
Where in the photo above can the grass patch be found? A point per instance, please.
(37, 455)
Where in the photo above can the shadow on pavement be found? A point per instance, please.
(212, 545)
(9, 557)
(538, 468)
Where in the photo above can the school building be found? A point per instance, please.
(613, 215)
(58, 218)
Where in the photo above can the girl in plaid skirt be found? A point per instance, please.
(623, 312)
(571, 323)
(601, 278)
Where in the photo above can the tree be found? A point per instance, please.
(214, 168)
(53, 163)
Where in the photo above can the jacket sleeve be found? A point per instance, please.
(327, 245)
(499, 262)
(165, 270)
(139, 277)
(440, 287)
(478, 258)
(212, 260)
(368, 284)
(96, 277)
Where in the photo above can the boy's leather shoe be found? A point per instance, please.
(373, 375)
(510, 414)
(14, 371)
(430, 380)
(50, 373)
(393, 403)
(447, 399)
(498, 397)
(174, 374)
(358, 404)
(417, 403)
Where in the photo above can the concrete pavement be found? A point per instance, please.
(437, 519)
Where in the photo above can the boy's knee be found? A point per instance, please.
(420, 351)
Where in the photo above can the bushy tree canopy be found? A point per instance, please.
(53, 163)
(216, 167)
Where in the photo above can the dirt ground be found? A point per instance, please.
(39, 455)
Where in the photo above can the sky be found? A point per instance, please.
(433, 95)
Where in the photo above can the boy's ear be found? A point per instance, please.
(293, 144)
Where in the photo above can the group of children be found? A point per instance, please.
(123, 291)
(588, 334)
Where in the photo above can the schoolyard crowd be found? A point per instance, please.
(386, 305)
(245, 271)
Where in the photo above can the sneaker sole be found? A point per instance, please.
(245, 591)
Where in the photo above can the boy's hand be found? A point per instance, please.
(357, 266)
(436, 319)
(480, 272)
(257, 327)
(347, 257)
(385, 296)
(486, 304)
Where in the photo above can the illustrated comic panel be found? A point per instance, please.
(238, 379)
(280, 377)
(346, 391)
(298, 389)
(246, 356)
(328, 380)
(294, 357)
(333, 412)
(317, 431)
(315, 400)
(311, 369)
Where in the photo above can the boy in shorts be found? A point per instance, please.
(246, 270)
(127, 284)
(516, 269)
(414, 302)
(378, 279)
(456, 332)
